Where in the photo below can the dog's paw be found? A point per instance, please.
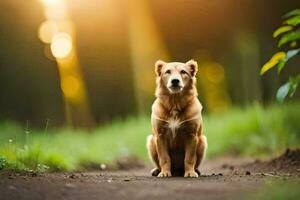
(164, 174)
(198, 171)
(155, 172)
(191, 174)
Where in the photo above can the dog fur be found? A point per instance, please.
(177, 145)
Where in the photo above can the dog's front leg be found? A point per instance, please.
(163, 155)
(190, 157)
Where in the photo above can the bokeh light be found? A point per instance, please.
(212, 83)
(71, 87)
(214, 72)
(48, 53)
(61, 45)
(57, 12)
(47, 30)
(51, 2)
(66, 26)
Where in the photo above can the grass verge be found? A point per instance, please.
(251, 131)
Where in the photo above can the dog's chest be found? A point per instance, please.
(174, 123)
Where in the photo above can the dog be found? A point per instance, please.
(177, 144)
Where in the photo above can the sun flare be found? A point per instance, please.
(61, 45)
(51, 2)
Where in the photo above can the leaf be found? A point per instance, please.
(293, 44)
(288, 88)
(281, 30)
(289, 55)
(294, 21)
(292, 13)
(291, 36)
(293, 89)
(272, 62)
(280, 66)
(282, 92)
(294, 84)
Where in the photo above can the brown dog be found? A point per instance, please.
(177, 144)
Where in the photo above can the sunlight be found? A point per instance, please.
(214, 86)
(146, 46)
(51, 2)
(61, 45)
(212, 80)
(56, 12)
(71, 87)
(47, 30)
(58, 32)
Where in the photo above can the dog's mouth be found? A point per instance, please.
(175, 89)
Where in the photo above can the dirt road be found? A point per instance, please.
(221, 178)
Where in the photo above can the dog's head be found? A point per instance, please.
(176, 76)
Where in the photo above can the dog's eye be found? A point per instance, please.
(183, 72)
(168, 72)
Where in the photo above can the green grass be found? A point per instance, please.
(251, 131)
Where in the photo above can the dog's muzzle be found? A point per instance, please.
(175, 86)
(175, 82)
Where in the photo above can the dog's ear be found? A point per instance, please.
(158, 66)
(192, 66)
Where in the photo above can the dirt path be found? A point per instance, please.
(221, 178)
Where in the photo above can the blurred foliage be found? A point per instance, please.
(108, 34)
(251, 131)
(289, 36)
(3, 162)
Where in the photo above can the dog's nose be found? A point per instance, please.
(175, 81)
